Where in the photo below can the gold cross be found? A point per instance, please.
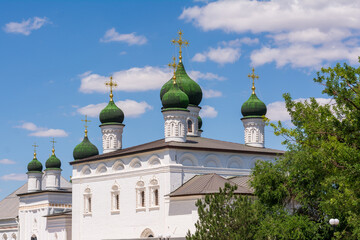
(35, 146)
(86, 126)
(173, 65)
(53, 149)
(111, 84)
(253, 76)
(179, 41)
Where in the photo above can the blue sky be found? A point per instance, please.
(55, 57)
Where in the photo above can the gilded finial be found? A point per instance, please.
(179, 41)
(35, 146)
(53, 148)
(253, 77)
(86, 126)
(111, 84)
(173, 66)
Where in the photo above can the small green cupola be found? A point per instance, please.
(53, 163)
(253, 107)
(111, 114)
(85, 148)
(35, 165)
(175, 99)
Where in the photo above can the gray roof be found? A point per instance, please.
(192, 143)
(9, 206)
(207, 184)
(243, 181)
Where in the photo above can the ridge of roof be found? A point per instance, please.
(195, 143)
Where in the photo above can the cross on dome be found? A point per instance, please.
(86, 126)
(112, 84)
(253, 77)
(35, 146)
(179, 41)
(53, 148)
(173, 66)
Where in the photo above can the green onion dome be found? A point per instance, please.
(85, 149)
(111, 114)
(35, 165)
(186, 84)
(53, 162)
(175, 99)
(199, 122)
(253, 107)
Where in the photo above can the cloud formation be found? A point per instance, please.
(136, 79)
(208, 112)
(276, 111)
(220, 55)
(131, 108)
(41, 131)
(211, 93)
(130, 38)
(6, 161)
(26, 26)
(14, 177)
(299, 33)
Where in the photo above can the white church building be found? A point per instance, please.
(144, 191)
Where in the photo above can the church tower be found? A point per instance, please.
(111, 118)
(253, 110)
(175, 112)
(53, 171)
(189, 87)
(34, 173)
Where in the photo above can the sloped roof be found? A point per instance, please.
(9, 206)
(207, 184)
(192, 143)
(243, 181)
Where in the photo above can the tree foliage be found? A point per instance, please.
(318, 177)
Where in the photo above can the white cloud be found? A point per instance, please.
(131, 80)
(211, 93)
(221, 55)
(206, 76)
(276, 111)
(14, 177)
(299, 33)
(131, 108)
(41, 131)
(303, 55)
(136, 79)
(208, 112)
(130, 38)
(239, 41)
(6, 161)
(26, 26)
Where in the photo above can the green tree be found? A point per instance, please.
(320, 171)
(225, 216)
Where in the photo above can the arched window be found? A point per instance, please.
(87, 201)
(154, 194)
(140, 196)
(33, 237)
(13, 236)
(115, 199)
(190, 126)
(4, 236)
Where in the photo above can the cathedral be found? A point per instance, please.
(145, 191)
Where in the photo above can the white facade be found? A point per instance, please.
(175, 127)
(135, 179)
(34, 181)
(192, 121)
(32, 209)
(112, 137)
(254, 134)
(52, 179)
